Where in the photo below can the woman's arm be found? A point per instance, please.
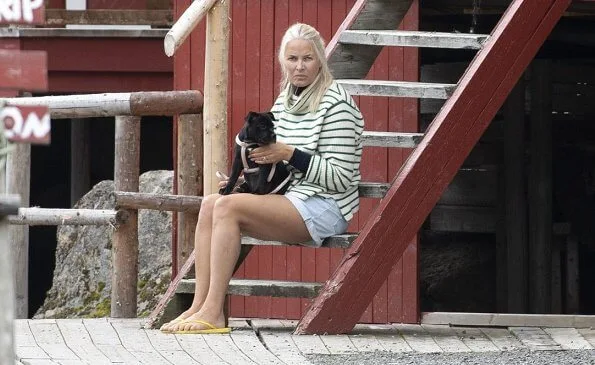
(339, 149)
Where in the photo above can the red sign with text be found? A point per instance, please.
(29, 124)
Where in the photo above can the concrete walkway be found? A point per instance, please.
(260, 341)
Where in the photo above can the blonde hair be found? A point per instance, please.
(324, 79)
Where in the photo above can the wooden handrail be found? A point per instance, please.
(185, 24)
(154, 103)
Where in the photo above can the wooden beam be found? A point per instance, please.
(163, 202)
(157, 312)
(18, 178)
(402, 89)
(186, 24)
(154, 17)
(23, 70)
(153, 103)
(432, 165)
(507, 320)
(189, 178)
(125, 238)
(9, 204)
(63, 217)
(413, 39)
(540, 189)
(348, 61)
(572, 297)
(515, 202)
(215, 89)
(391, 139)
(497, 7)
(272, 288)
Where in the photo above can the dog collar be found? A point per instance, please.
(244, 146)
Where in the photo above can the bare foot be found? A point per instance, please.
(200, 321)
(169, 326)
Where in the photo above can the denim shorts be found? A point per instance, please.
(322, 216)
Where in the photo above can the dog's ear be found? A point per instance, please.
(270, 115)
(250, 116)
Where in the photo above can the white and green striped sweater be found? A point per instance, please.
(332, 136)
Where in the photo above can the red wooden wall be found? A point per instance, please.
(256, 31)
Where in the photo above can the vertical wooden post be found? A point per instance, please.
(215, 94)
(125, 238)
(80, 167)
(572, 276)
(515, 200)
(189, 179)
(18, 177)
(540, 190)
(7, 297)
(9, 205)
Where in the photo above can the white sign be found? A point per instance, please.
(21, 11)
(26, 124)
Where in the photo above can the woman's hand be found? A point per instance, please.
(224, 179)
(272, 153)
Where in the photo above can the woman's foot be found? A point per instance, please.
(201, 322)
(169, 326)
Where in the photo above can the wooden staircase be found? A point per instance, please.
(471, 104)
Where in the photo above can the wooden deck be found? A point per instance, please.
(260, 341)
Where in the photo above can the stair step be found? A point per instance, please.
(251, 287)
(373, 190)
(413, 39)
(398, 88)
(338, 241)
(391, 139)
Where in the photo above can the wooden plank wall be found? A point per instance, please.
(257, 28)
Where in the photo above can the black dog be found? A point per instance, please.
(262, 179)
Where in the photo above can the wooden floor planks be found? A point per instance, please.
(264, 341)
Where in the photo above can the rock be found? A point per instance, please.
(82, 277)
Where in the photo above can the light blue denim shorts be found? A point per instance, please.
(322, 216)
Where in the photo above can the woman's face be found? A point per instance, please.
(301, 62)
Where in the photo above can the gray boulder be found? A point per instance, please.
(82, 277)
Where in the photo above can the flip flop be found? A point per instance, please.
(210, 328)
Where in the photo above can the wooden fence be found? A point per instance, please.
(127, 108)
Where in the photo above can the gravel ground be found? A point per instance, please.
(524, 357)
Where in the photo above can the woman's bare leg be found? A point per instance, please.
(270, 217)
(202, 247)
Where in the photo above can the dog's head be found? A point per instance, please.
(259, 127)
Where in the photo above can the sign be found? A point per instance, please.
(22, 12)
(26, 123)
(23, 70)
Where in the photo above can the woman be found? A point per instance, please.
(318, 134)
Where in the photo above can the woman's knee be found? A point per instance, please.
(225, 207)
(208, 205)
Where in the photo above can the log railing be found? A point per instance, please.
(127, 108)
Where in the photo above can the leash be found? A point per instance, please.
(249, 170)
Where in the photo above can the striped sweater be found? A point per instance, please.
(332, 136)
